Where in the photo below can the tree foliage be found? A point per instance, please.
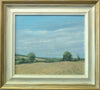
(31, 57)
(78, 58)
(67, 56)
(20, 61)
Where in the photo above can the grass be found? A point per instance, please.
(51, 66)
(59, 68)
(46, 60)
(49, 60)
(39, 59)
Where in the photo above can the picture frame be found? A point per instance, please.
(10, 8)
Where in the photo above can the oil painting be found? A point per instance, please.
(50, 44)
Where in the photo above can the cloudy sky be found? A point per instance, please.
(50, 36)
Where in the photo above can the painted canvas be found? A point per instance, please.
(50, 44)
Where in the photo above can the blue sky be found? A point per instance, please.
(50, 36)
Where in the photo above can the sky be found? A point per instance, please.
(50, 35)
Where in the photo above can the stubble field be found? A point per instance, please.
(58, 68)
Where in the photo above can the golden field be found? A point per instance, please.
(43, 68)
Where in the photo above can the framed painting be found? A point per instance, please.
(49, 44)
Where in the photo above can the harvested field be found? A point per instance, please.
(43, 68)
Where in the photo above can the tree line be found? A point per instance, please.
(31, 57)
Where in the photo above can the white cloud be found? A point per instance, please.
(47, 42)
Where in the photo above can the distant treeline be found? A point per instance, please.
(31, 58)
(20, 55)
